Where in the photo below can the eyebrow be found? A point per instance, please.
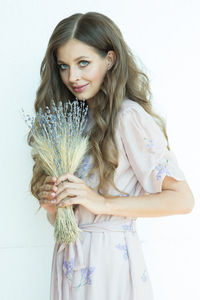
(60, 61)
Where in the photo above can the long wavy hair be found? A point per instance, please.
(124, 79)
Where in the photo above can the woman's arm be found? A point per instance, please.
(175, 198)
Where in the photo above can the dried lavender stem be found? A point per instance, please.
(59, 143)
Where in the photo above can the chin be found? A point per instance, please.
(84, 97)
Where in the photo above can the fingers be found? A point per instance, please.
(68, 185)
(53, 191)
(48, 187)
(70, 177)
(47, 203)
(67, 193)
(46, 195)
(50, 179)
(48, 190)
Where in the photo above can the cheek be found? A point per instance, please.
(96, 74)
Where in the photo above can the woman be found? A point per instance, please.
(131, 171)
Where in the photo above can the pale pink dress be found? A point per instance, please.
(107, 262)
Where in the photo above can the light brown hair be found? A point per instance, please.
(124, 79)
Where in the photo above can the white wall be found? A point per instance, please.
(165, 37)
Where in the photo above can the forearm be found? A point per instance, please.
(160, 204)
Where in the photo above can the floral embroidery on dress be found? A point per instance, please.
(144, 276)
(68, 268)
(162, 168)
(85, 273)
(84, 168)
(128, 227)
(92, 176)
(124, 249)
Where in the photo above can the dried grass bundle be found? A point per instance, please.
(61, 146)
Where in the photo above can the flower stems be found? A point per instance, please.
(66, 229)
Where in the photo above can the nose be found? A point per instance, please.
(74, 74)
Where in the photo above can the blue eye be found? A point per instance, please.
(84, 61)
(62, 66)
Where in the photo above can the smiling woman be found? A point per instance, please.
(83, 77)
(131, 171)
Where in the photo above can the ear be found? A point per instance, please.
(111, 58)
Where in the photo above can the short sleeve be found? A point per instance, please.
(146, 148)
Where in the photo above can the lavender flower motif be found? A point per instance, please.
(149, 143)
(128, 227)
(162, 168)
(84, 168)
(92, 176)
(86, 273)
(85, 163)
(144, 276)
(85, 277)
(68, 268)
(124, 249)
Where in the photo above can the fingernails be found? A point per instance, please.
(53, 201)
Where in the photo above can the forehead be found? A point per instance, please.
(74, 49)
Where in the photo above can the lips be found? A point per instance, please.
(79, 88)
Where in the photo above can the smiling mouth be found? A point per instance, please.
(80, 88)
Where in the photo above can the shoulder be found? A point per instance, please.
(128, 104)
(133, 116)
(131, 110)
(130, 107)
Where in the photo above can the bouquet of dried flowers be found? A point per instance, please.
(61, 146)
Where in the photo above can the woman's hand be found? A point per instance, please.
(47, 194)
(79, 193)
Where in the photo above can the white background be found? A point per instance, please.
(164, 35)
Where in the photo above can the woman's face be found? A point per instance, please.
(81, 69)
